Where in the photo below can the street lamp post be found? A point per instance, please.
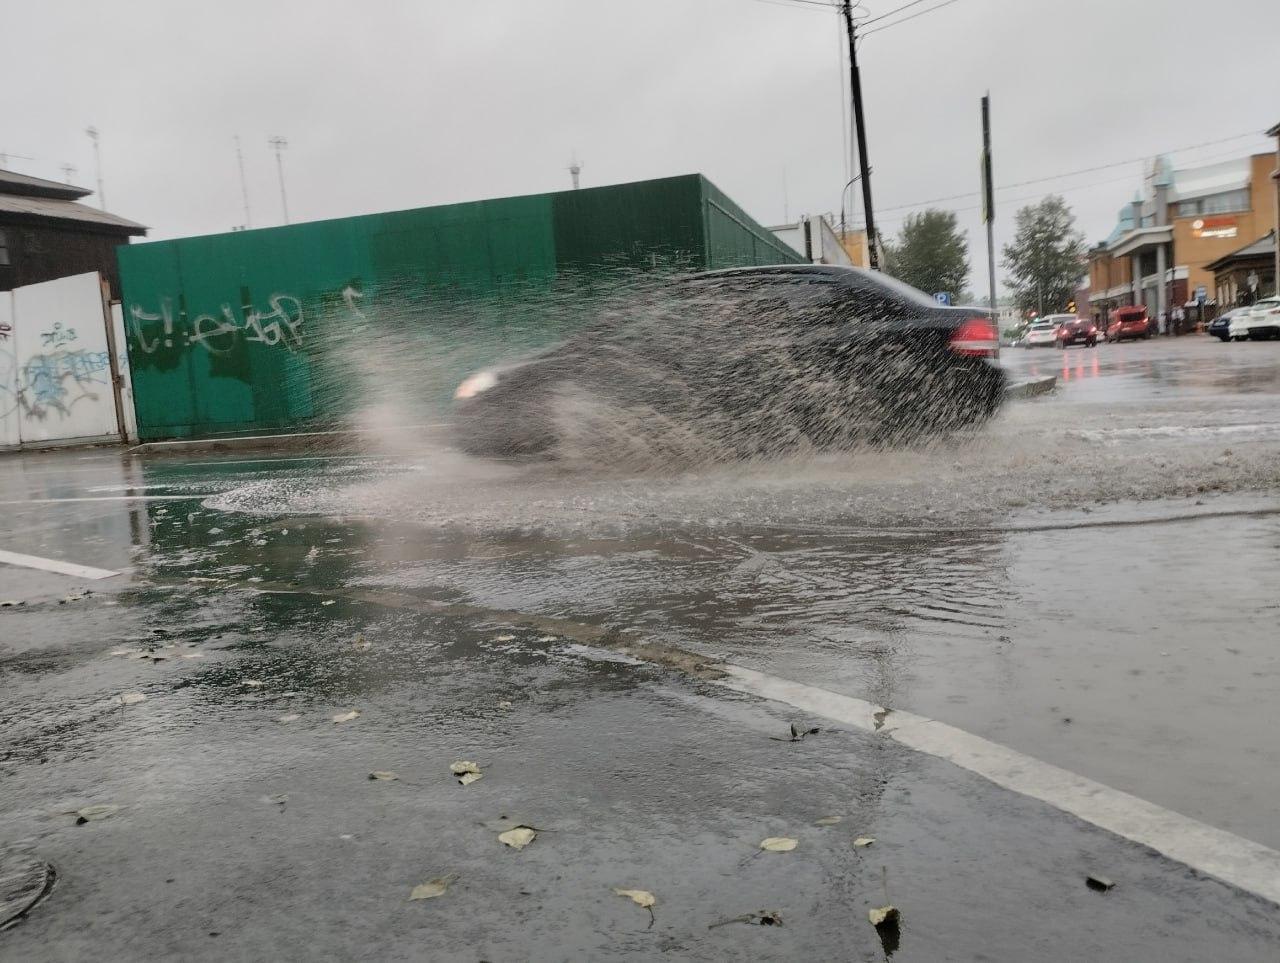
(278, 144)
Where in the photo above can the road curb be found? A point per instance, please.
(1031, 388)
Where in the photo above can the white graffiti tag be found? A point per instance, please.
(219, 333)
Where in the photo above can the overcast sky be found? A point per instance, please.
(390, 104)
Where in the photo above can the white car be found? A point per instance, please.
(1041, 334)
(1262, 320)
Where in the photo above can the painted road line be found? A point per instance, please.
(1215, 852)
(112, 498)
(53, 565)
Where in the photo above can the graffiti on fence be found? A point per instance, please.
(52, 383)
(58, 336)
(219, 332)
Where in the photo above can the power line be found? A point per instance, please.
(945, 3)
(913, 3)
(1082, 170)
(799, 3)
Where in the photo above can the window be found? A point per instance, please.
(1215, 203)
(4, 247)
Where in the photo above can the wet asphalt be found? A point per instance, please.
(1127, 635)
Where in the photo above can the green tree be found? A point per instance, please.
(1046, 258)
(930, 253)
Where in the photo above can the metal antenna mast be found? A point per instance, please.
(97, 161)
(278, 144)
(244, 187)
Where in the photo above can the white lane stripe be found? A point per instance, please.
(113, 498)
(53, 565)
(1216, 852)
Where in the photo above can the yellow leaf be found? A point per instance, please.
(778, 844)
(518, 838)
(383, 775)
(431, 888)
(131, 698)
(467, 778)
(638, 896)
(864, 841)
(346, 716)
(458, 768)
(90, 813)
(883, 914)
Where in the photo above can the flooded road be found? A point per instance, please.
(1090, 582)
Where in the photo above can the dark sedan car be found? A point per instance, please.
(740, 363)
(1077, 331)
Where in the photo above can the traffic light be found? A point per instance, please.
(1071, 307)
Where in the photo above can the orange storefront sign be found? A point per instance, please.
(1220, 226)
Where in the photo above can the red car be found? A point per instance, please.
(1077, 331)
(1130, 323)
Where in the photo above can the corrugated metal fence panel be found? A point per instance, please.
(253, 330)
(734, 239)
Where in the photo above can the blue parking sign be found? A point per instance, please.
(942, 297)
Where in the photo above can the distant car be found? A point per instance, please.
(1073, 330)
(1130, 322)
(748, 361)
(1261, 322)
(1041, 334)
(1218, 327)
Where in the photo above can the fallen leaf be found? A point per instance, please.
(882, 915)
(458, 768)
(504, 704)
(864, 841)
(504, 638)
(131, 698)
(328, 602)
(360, 644)
(827, 820)
(383, 774)
(467, 778)
(253, 683)
(346, 716)
(193, 655)
(1100, 883)
(279, 799)
(291, 717)
(518, 838)
(432, 888)
(640, 897)
(778, 844)
(91, 813)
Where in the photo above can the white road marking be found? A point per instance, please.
(1230, 858)
(111, 498)
(53, 565)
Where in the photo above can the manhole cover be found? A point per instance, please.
(24, 880)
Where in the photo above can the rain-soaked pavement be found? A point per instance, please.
(1091, 583)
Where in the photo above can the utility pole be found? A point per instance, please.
(1275, 176)
(244, 187)
(97, 161)
(989, 212)
(68, 171)
(575, 168)
(278, 144)
(860, 129)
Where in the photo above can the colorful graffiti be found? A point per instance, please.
(52, 383)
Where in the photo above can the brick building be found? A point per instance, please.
(45, 233)
(1183, 221)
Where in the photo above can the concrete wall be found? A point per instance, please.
(55, 364)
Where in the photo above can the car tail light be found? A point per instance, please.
(976, 338)
(1093, 330)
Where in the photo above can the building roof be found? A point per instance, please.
(37, 197)
(1261, 249)
(1231, 175)
(11, 182)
